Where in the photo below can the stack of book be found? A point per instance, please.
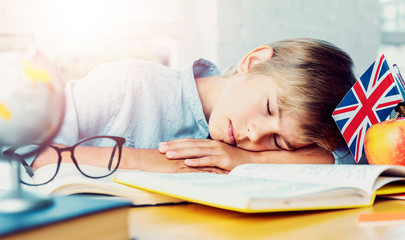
(69, 217)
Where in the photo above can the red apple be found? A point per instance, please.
(384, 142)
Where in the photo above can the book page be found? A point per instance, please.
(69, 174)
(222, 190)
(69, 170)
(70, 181)
(359, 176)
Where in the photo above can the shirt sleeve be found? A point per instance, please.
(92, 102)
(343, 156)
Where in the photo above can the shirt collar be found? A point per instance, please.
(204, 68)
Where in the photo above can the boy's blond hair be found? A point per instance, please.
(315, 76)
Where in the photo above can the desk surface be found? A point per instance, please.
(193, 221)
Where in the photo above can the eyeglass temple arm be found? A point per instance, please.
(28, 169)
(112, 157)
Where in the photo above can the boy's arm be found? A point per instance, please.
(205, 152)
(150, 160)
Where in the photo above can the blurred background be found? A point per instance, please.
(80, 34)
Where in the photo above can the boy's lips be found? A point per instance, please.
(231, 136)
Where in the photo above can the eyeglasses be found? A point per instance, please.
(108, 158)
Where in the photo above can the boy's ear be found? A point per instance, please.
(254, 57)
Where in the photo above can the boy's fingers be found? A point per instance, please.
(210, 161)
(204, 169)
(183, 143)
(163, 147)
(189, 153)
(214, 170)
(200, 162)
(182, 140)
(190, 169)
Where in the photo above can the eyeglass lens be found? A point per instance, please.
(107, 159)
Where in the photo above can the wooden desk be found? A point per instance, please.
(193, 221)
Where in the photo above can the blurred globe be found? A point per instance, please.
(31, 98)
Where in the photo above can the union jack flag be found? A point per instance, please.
(369, 101)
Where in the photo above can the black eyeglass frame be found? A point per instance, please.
(119, 140)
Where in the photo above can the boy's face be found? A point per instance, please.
(247, 115)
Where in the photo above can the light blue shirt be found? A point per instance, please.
(144, 102)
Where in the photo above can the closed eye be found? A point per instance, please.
(268, 107)
(275, 142)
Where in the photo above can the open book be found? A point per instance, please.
(70, 181)
(276, 187)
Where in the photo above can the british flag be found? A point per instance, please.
(369, 101)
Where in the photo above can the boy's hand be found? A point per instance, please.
(212, 153)
(151, 160)
(175, 166)
(205, 152)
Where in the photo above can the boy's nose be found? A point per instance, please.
(260, 130)
(256, 132)
(253, 133)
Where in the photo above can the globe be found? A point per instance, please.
(31, 98)
(31, 112)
